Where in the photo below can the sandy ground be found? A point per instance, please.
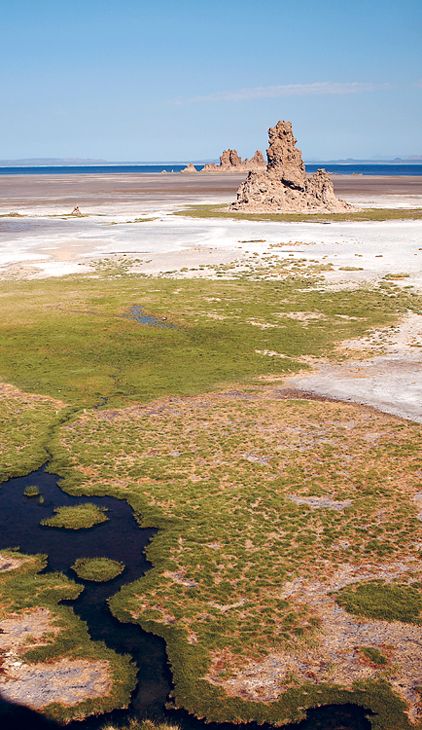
(63, 192)
(37, 685)
(40, 245)
(390, 379)
(54, 247)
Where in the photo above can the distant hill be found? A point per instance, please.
(35, 161)
(77, 161)
(417, 159)
(63, 162)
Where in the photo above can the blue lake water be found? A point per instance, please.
(341, 169)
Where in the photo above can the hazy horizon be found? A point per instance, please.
(82, 161)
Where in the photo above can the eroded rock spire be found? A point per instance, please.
(284, 186)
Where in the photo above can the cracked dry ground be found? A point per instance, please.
(267, 505)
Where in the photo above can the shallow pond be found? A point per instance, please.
(120, 538)
(137, 313)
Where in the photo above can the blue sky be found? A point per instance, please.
(181, 79)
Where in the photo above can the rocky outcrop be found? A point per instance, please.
(284, 186)
(256, 162)
(190, 168)
(230, 161)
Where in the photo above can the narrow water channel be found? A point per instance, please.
(120, 538)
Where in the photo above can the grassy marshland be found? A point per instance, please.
(69, 338)
(26, 424)
(143, 725)
(76, 517)
(365, 214)
(98, 570)
(215, 472)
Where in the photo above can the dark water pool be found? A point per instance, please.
(120, 538)
(137, 313)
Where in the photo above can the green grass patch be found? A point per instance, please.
(350, 268)
(366, 214)
(374, 655)
(78, 517)
(144, 219)
(396, 277)
(99, 570)
(26, 424)
(142, 725)
(213, 473)
(31, 491)
(70, 338)
(388, 601)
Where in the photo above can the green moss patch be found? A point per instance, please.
(388, 601)
(365, 214)
(31, 491)
(374, 655)
(395, 277)
(142, 725)
(81, 516)
(97, 569)
(26, 423)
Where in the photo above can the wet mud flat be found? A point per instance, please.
(99, 189)
(120, 538)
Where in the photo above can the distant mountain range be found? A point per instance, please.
(417, 159)
(71, 161)
(35, 161)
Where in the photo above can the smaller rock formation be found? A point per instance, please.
(256, 162)
(284, 186)
(211, 167)
(230, 161)
(76, 212)
(190, 168)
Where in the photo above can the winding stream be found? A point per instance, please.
(120, 538)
